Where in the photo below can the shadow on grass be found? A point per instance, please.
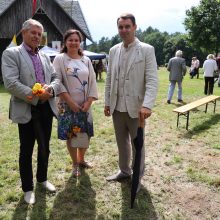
(36, 211)
(21, 210)
(203, 127)
(179, 104)
(143, 207)
(76, 201)
(39, 208)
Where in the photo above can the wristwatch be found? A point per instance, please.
(52, 91)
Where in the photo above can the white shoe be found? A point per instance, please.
(29, 197)
(48, 186)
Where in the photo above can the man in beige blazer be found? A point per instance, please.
(130, 91)
(22, 67)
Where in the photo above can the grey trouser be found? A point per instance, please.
(125, 131)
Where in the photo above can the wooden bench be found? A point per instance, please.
(185, 109)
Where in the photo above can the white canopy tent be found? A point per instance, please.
(52, 52)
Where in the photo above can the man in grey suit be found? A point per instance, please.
(177, 68)
(22, 67)
(130, 91)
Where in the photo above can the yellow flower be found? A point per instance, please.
(37, 89)
(76, 129)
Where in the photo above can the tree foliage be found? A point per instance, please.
(157, 40)
(165, 44)
(203, 25)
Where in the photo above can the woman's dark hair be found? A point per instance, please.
(66, 35)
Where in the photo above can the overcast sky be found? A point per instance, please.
(165, 15)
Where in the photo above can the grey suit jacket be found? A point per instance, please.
(177, 68)
(19, 77)
(141, 80)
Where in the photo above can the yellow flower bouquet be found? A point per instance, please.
(37, 90)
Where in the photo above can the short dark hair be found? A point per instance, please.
(127, 16)
(66, 35)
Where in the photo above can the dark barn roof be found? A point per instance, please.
(57, 16)
(74, 10)
(64, 15)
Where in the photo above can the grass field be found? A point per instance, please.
(182, 178)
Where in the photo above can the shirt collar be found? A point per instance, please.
(29, 50)
(131, 44)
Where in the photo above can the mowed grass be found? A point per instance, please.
(90, 196)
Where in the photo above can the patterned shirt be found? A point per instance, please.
(39, 72)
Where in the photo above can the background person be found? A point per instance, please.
(194, 69)
(209, 66)
(77, 92)
(218, 65)
(94, 64)
(177, 69)
(99, 69)
(22, 67)
(130, 91)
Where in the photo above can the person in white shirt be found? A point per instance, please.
(209, 66)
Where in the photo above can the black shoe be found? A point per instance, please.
(180, 100)
(118, 176)
(168, 101)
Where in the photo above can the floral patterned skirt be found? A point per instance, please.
(74, 125)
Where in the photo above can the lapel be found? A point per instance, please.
(28, 60)
(117, 59)
(136, 56)
(64, 63)
(46, 74)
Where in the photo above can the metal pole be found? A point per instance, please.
(206, 107)
(214, 105)
(187, 120)
(178, 119)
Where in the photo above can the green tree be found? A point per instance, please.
(150, 30)
(178, 41)
(115, 40)
(203, 25)
(93, 47)
(139, 34)
(157, 40)
(104, 44)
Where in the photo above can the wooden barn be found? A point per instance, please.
(57, 16)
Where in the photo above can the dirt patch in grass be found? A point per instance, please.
(182, 174)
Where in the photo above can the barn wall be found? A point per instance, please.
(53, 17)
(11, 20)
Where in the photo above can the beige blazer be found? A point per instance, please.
(19, 77)
(141, 80)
